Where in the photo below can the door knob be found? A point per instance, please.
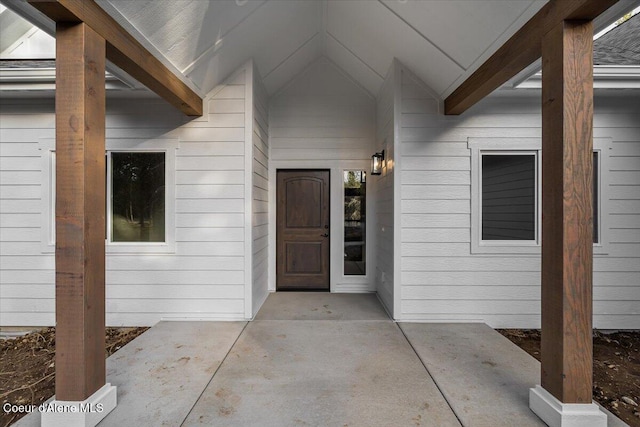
(324, 235)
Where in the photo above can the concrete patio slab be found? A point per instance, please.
(322, 373)
(484, 376)
(321, 306)
(161, 374)
(321, 359)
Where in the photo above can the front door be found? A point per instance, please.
(302, 230)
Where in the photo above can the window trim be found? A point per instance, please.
(366, 231)
(48, 200)
(479, 146)
(504, 146)
(537, 200)
(603, 147)
(167, 146)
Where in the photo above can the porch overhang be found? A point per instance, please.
(567, 122)
(124, 51)
(520, 51)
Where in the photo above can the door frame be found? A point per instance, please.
(337, 281)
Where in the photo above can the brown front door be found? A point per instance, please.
(302, 230)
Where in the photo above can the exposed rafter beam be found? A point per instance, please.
(522, 49)
(124, 51)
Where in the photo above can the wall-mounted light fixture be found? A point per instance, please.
(376, 163)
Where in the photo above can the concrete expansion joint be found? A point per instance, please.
(215, 372)
(444, 396)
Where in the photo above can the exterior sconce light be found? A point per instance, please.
(376, 163)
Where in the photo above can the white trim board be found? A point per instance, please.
(532, 145)
(338, 281)
(48, 175)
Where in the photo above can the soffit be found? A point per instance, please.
(442, 41)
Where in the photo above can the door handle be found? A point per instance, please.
(324, 235)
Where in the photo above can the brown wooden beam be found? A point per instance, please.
(125, 51)
(521, 50)
(80, 211)
(567, 242)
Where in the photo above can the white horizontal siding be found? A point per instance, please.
(204, 278)
(441, 279)
(20, 205)
(322, 116)
(324, 120)
(384, 189)
(260, 194)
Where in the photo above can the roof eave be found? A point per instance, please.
(604, 77)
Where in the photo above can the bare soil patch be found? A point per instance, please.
(27, 368)
(616, 368)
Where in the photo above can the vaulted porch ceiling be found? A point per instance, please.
(442, 41)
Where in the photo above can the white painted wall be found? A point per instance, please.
(441, 279)
(384, 185)
(323, 120)
(260, 193)
(202, 278)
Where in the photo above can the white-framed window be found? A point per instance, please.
(140, 193)
(601, 148)
(354, 186)
(509, 197)
(506, 182)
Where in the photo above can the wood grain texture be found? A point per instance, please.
(522, 49)
(80, 211)
(567, 249)
(125, 51)
(302, 242)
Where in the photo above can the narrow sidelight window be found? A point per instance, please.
(596, 195)
(355, 208)
(509, 197)
(137, 197)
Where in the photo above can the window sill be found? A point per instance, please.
(140, 248)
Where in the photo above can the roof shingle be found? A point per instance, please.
(620, 46)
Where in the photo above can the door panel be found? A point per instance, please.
(302, 234)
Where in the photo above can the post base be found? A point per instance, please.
(87, 413)
(557, 414)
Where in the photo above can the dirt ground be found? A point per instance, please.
(27, 366)
(616, 368)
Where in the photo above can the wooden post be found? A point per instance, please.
(567, 243)
(80, 211)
